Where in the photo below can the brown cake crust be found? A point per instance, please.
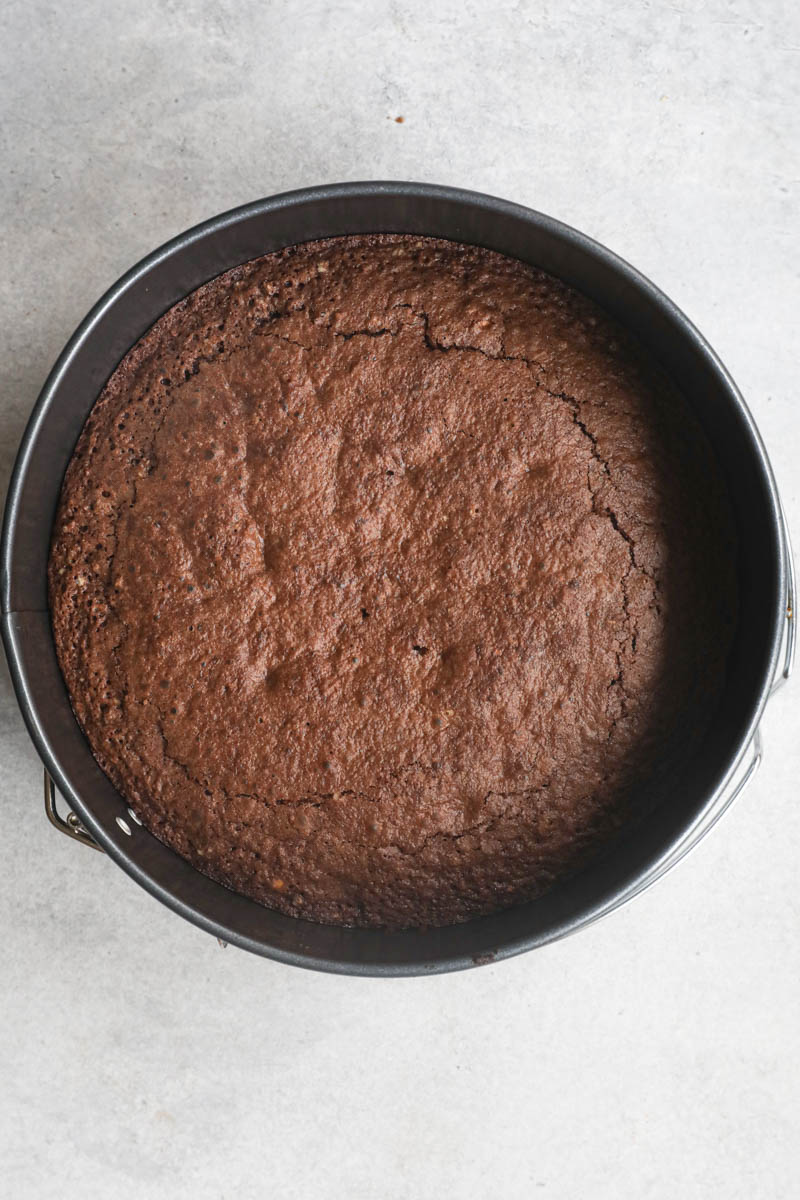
(383, 567)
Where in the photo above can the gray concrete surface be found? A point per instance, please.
(653, 1056)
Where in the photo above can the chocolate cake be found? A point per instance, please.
(385, 571)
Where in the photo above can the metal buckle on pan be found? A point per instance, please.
(791, 610)
(71, 825)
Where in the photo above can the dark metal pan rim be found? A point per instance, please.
(429, 957)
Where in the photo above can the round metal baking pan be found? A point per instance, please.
(681, 807)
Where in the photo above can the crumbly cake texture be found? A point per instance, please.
(383, 569)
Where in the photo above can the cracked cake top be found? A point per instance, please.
(384, 568)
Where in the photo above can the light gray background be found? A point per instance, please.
(653, 1056)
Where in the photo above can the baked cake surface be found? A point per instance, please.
(383, 569)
